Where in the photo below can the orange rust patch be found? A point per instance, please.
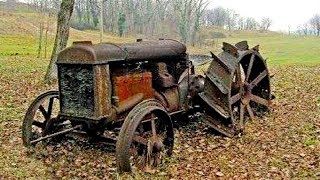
(131, 84)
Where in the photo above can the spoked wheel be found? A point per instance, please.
(250, 92)
(146, 137)
(40, 117)
(237, 85)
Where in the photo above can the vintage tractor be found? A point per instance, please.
(128, 95)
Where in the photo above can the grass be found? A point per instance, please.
(287, 49)
(280, 49)
(12, 45)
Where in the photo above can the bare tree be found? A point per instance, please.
(47, 27)
(218, 16)
(45, 10)
(265, 23)
(94, 11)
(101, 20)
(183, 8)
(62, 36)
(231, 19)
(11, 4)
(251, 24)
(165, 18)
(241, 23)
(79, 7)
(200, 7)
(40, 7)
(315, 24)
(305, 29)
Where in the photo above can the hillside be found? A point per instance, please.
(19, 32)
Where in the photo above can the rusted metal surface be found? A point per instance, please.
(126, 85)
(55, 134)
(102, 91)
(153, 50)
(129, 103)
(237, 82)
(189, 88)
(107, 52)
(163, 78)
(242, 46)
(171, 96)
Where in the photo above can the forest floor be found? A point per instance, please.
(284, 144)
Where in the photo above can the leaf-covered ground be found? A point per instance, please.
(283, 144)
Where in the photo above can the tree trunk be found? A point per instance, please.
(61, 39)
(40, 38)
(46, 36)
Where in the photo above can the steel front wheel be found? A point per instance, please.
(145, 138)
(40, 117)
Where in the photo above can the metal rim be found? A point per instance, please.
(39, 117)
(145, 138)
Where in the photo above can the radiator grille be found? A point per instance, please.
(76, 90)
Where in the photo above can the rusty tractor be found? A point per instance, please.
(128, 95)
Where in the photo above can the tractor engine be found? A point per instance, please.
(148, 79)
(105, 81)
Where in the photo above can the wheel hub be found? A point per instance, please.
(245, 92)
(156, 144)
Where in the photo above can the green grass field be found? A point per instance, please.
(285, 49)
(280, 49)
(282, 145)
(19, 31)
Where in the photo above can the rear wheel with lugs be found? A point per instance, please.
(145, 138)
(237, 85)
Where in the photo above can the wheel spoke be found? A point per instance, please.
(251, 114)
(157, 159)
(258, 79)
(259, 100)
(138, 159)
(238, 77)
(38, 124)
(235, 98)
(44, 112)
(140, 139)
(241, 115)
(153, 126)
(49, 113)
(250, 67)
